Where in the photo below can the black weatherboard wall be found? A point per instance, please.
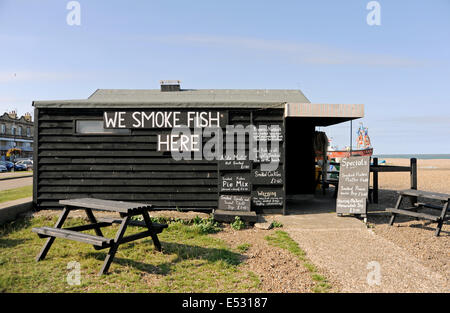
(125, 166)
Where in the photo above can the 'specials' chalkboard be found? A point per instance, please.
(234, 182)
(268, 197)
(353, 187)
(234, 203)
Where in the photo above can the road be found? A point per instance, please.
(15, 183)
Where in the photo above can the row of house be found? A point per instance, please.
(16, 133)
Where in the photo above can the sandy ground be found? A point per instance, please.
(416, 236)
(432, 175)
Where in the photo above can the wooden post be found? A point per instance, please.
(375, 182)
(413, 177)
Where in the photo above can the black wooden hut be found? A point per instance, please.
(78, 154)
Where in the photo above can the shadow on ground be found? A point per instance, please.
(377, 215)
(182, 252)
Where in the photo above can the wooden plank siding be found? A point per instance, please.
(123, 167)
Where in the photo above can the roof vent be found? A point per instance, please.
(170, 85)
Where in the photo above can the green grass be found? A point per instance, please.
(191, 261)
(16, 193)
(276, 224)
(243, 247)
(282, 240)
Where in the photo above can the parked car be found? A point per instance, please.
(28, 163)
(7, 164)
(20, 167)
(3, 168)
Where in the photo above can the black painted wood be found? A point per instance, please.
(124, 167)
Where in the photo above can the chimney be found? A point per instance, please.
(170, 85)
(13, 114)
(27, 117)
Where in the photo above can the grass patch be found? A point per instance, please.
(191, 261)
(276, 224)
(16, 193)
(243, 247)
(282, 240)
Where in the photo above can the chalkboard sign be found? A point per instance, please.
(353, 187)
(235, 182)
(271, 133)
(230, 165)
(268, 197)
(260, 177)
(234, 203)
(267, 155)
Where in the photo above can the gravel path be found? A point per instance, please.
(277, 269)
(345, 248)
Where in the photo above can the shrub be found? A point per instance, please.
(276, 224)
(237, 224)
(205, 226)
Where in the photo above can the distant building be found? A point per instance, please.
(16, 133)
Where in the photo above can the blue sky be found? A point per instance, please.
(399, 70)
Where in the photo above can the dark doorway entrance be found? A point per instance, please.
(300, 164)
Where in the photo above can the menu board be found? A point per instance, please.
(353, 187)
(260, 177)
(234, 202)
(267, 197)
(234, 182)
(234, 165)
(268, 155)
(270, 133)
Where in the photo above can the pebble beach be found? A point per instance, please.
(432, 175)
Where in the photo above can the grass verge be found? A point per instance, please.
(191, 261)
(282, 240)
(16, 193)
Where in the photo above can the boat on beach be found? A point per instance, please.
(363, 146)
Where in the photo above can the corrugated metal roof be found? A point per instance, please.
(251, 98)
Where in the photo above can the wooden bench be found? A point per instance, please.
(126, 211)
(413, 194)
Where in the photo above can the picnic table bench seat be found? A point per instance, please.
(413, 194)
(126, 211)
(44, 232)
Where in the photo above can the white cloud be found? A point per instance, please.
(305, 53)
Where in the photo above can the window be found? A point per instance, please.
(3, 129)
(96, 127)
(28, 132)
(20, 131)
(13, 130)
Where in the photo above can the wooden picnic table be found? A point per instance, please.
(126, 211)
(413, 194)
